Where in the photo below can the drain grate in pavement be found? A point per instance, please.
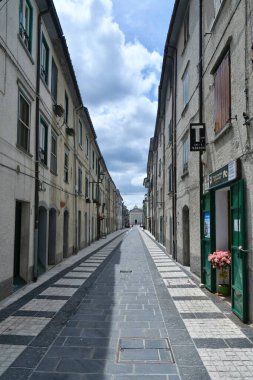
(126, 271)
(138, 350)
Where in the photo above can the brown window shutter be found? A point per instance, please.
(222, 94)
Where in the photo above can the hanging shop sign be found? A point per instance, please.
(197, 137)
(226, 174)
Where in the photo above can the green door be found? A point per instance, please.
(208, 241)
(238, 255)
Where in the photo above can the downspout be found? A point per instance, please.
(200, 121)
(37, 126)
(174, 155)
(75, 110)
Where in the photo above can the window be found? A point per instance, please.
(87, 146)
(185, 154)
(170, 178)
(185, 88)
(222, 99)
(93, 160)
(86, 187)
(26, 23)
(160, 168)
(80, 176)
(66, 108)
(44, 60)
(80, 134)
(170, 132)
(43, 142)
(53, 161)
(96, 165)
(24, 110)
(54, 80)
(186, 28)
(66, 165)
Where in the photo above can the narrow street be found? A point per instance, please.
(121, 309)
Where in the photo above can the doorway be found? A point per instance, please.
(21, 244)
(42, 240)
(186, 236)
(79, 229)
(65, 234)
(52, 237)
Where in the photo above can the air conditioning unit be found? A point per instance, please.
(58, 110)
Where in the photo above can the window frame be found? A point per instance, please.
(66, 165)
(20, 121)
(185, 155)
(44, 64)
(54, 80)
(26, 31)
(66, 108)
(53, 155)
(43, 149)
(222, 102)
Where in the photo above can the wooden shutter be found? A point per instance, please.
(222, 94)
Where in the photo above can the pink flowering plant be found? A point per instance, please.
(220, 259)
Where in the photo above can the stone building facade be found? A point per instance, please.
(206, 84)
(56, 193)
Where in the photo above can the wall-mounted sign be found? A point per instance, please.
(224, 175)
(197, 137)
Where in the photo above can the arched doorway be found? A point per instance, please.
(186, 236)
(52, 237)
(42, 240)
(65, 234)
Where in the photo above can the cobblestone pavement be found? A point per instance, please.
(124, 311)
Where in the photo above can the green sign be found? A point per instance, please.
(223, 175)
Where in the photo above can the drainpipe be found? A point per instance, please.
(37, 126)
(200, 121)
(75, 111)
(174, 153)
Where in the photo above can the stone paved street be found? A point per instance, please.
(122, 311)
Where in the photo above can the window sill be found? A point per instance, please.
(217, 16)
(53, 172)
(26, 49)
(185, 174)
(45, 84)
(24, 151)
(80, 146)
(223, 131)
(43, 164)
(185, 109)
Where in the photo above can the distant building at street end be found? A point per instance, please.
(136, 216)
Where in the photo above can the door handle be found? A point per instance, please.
(243, 250)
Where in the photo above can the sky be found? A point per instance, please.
(116, 47)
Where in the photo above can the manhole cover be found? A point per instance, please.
(144, 350)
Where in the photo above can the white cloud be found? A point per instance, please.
(118, 80)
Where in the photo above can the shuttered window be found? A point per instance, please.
(222, 98)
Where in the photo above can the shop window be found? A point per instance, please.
(26, 23)
(24, 111)
(222, 98)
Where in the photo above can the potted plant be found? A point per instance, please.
(221, 260)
